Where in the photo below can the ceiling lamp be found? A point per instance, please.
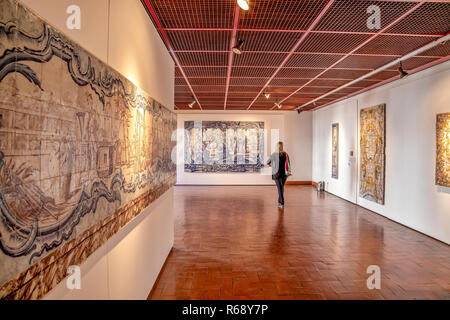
(191, 104)
(243, 4)
(402, 72)
(238, 47)
(267, 94)
(278, 104)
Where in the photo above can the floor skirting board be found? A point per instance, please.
(306, 183)
(302, 183)
(215, 185)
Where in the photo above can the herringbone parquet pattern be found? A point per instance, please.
(233, 243)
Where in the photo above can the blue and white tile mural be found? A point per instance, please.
(223, 146)
(78, 143)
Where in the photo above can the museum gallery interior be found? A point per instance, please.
(138, 138)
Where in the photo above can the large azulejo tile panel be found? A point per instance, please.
(82, 150)
(443, 149)
(335, 150)
(223, 146)
(372, 153)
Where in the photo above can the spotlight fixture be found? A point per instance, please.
(402, 72)
(267, 94)
(238, 47)
(243, 4)
(278, 104)
(191, 104)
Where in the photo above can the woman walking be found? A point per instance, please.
(279, 161)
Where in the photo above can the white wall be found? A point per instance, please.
(298, 140)
(412, 103)
(120, 33)
(345, 113)
(137, 51)
(93, 34)
(294, 130)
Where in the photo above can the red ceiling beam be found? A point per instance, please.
(269, 67)
(287, 78)
(302, 38)
(385, 34)
(302, 52)
(299, 31)
(237, 12)
(256, 86)
(359, 46)
(169, 46)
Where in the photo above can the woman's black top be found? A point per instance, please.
(278, 161)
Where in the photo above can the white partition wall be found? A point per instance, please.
(136, 50)
(298, 140)
(120, 33)
(93, 16)
(411, 196)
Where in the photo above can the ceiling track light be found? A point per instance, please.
(191, 104)
(402, 72)
(278, 105)
(238, 47)
(244, 4)
(267, 94)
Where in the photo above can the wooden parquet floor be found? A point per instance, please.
(232, 242)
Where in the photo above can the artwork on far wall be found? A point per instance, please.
(335, 150)
(372, 153)
(443, 149)
(223, 146)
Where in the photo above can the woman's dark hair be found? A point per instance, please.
(280, 147)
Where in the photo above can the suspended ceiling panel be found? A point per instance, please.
(295, 49)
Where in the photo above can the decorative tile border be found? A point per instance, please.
(43, 276)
